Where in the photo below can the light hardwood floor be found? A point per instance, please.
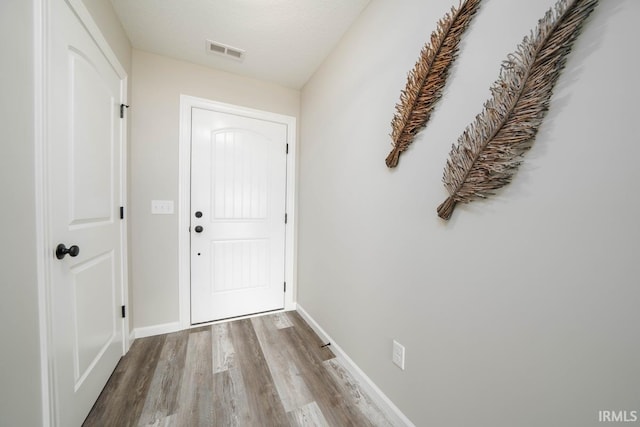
(265, 371)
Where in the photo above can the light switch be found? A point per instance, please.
(162, 207)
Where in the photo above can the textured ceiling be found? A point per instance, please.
(285, 40)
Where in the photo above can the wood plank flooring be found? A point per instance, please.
(265, 371)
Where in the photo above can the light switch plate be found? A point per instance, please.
(397, 355)
(162, 207)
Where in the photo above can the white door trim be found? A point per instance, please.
(184, 197)
(41, 64)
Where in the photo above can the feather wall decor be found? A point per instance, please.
(426, 80)
(490, 150)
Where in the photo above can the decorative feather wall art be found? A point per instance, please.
(426, 80)
(490, 150)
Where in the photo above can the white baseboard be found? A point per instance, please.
(384, 403)
(149, 331)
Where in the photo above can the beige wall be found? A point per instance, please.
(522, 310)
(19, 331)
(105, 17)
(158, 83)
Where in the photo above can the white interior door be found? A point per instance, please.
(84, 187)
(238, 198)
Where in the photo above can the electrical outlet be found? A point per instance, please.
(397, 354)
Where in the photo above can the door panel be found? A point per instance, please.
(91, 142)
(94, 290)
(83, 169)
(239, 264)
(238, 184)
(240, 176)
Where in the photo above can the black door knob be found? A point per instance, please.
(198, 214)
(62, 250)
(199, 229)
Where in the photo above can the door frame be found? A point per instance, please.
(41, 72)
(184, 198)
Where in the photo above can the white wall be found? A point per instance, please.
(522, 309)
(158, 83)
(20, 355)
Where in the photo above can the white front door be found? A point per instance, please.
(238, 198)
(83, 134)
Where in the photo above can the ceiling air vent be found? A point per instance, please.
(225, 50)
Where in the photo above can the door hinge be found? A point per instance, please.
(285, 286)
(286, 218)
(121, 212)
(122, 107)
(287, 152)
(124, 312)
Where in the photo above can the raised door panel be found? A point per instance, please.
(91, 146)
